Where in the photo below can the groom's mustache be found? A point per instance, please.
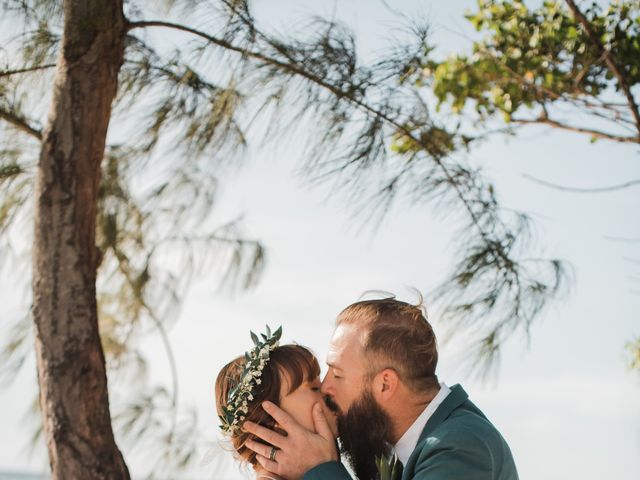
(331, 405)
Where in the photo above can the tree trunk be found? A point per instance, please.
(71, 367)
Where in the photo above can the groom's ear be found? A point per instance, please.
(386, 384)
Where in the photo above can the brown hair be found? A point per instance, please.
(295, 361)
(396, 335)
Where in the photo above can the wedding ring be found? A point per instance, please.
(272, 455)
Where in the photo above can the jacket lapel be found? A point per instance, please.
(456, 397)
(454, 400)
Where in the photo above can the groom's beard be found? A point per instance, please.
(364, 434)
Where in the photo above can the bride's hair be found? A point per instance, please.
(295, 362)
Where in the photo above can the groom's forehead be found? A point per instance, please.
(345, 345)
(346, 336)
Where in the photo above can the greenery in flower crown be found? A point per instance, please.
(239, 397)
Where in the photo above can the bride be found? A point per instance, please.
(287, 375)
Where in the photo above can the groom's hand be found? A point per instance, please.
(300, 450)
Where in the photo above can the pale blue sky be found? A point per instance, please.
(565, 401)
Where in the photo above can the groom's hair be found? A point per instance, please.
(396, 335)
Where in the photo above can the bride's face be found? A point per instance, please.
(299, 404)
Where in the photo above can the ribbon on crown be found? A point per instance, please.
(242, 394)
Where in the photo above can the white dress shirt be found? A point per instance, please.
(407, 443)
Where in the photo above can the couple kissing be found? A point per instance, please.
(380, 407)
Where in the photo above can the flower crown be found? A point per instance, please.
(239, 396)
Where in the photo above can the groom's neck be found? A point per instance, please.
(406, 408)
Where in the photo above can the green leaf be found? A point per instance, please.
(278, 333)
(10, 170)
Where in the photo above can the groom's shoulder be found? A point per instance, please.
(468, 423)
(466, 429)
(459, 439)
(457, 411)
(467, 414)
(465, 426)
(466, 417)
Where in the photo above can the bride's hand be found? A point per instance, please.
(300, 450)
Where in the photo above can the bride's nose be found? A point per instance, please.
(325, 388)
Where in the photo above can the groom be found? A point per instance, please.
(382, 384)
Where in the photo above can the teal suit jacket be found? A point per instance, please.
(457, 443)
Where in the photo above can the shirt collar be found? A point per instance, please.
(407, 443)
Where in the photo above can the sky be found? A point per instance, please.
(563, 399)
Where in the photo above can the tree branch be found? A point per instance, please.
(563, 126)
(176, 26)
(294, 69)
(610, 62)
(544, 92)
(122, 262)
(540, 89)
(609, 188)
(20, 123)
(175, 77)
(172, 364)
(7, 73)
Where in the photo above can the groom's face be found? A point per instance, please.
(344, 381)
(363, 426)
